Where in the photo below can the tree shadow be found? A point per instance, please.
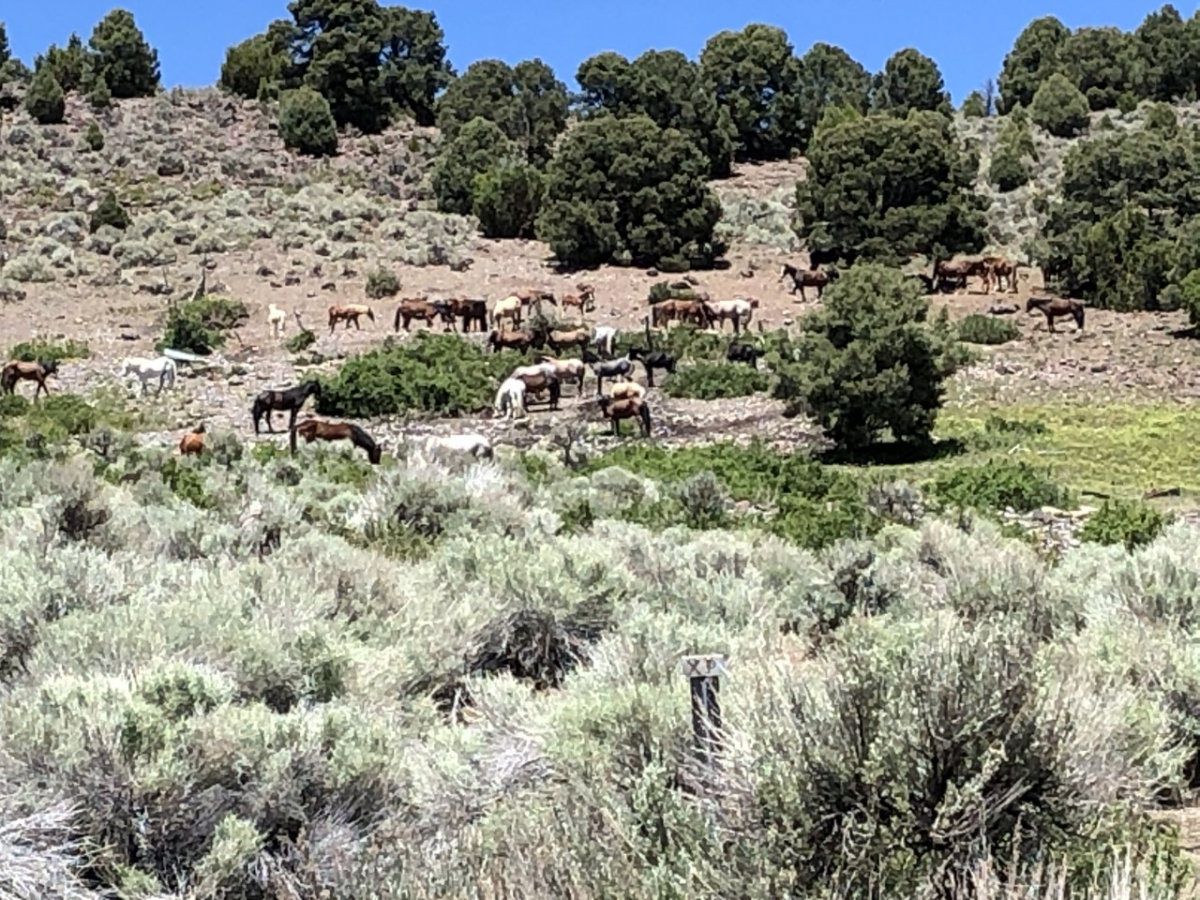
(1185, 334)
(894, 453)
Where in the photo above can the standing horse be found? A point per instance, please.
(17, 370)
(276, 318)
(802, 278)
(510, 399)
(286, 400)
(628, 408)
(192, 443)
(611, 369)
(739, 312)
(161, 368)
(312, 429)
(348, 314)
(1057, 307)
(651, 360)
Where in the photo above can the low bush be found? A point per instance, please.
(995, 486)
(980, 329)
(1130, 523)
(47, 348)
(200, 325)
(714, 381)
(382, 283)
(433, 373)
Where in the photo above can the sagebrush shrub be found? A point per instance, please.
(978, 328)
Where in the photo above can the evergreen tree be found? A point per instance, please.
(121, 56)
(45, 100)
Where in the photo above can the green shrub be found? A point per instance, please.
(200, 325)
(109, 212)
(713, 381)
(44, 100)
(100, 97)
(306, 123)
(300, 341)
(94, 138)
(44, 348)
(1128, 522)
(382, 283)
(995, 486)
(506, 199)
(980, 329)
(1060, 107)
(435, 373)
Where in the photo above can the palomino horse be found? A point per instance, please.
(621, 390)
(286, 400)
(18, 370)
(1057, 307)
(560, 340)
(628, 408)
(312, 429)
(192, 443)
(802, 278)
(739, 312)
(161, 369)
(510, 399)
(572, 371)
(348, 314)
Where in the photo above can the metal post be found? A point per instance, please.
(704, 674)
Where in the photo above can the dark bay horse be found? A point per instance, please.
(18, 370)
(1055, 308)
(287, 400)
(312, 429)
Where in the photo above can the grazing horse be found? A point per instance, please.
(739, 312)
(276, 318)
(286, 400)
(996, 272)
(604, 337)
(956, 271)
(560, 340)
(628, 408)
(622, 367)
(192, 443)
(510, 399)
(468, 444)
(802, 278)
(651, 360)
(584, 301)
(515, 340)
(666, 311)
(349, 314)
(18, 370)
(572, 371)
(420, 308)
(538, 378)
(312, 429)
(161, 368)
(1057, 307)
(744, 353)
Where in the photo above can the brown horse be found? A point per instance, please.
(629, 408)
(666, 311)
(516, 340)
(538, 379)
(801, 278)
(349, 314)
(18, 370)
(428, 311)
(192, 443)
(312, 429)
(584, 301)
(1057, 307)
(469, 311)
(560, 340)
(997, 271)
(956, 271)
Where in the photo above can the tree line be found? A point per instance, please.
(629, 182)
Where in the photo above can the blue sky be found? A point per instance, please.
(968, 47)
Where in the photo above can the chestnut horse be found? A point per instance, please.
(311, 429)
(628, 408)
(1057, 307)
(192, 443)
(349, 314)
(18, 370)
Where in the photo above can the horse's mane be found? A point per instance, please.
(360, 438)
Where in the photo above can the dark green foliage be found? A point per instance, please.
(94, 138)
(714, 381)
(477, 147)
(1161, 118)
(44, 100)
(435, 373)
(11, 68)
(883, 188)
(1166, 56)
(70, 66)
(1059, 107)
(200, 325)
(1009, 168)
(5, 50)
(980, 329)
(382, 283)
(1128, 522)
(121, 56)
(100, 97)
(109, 212)
(974, 107)
(869, 360)
(754, 74)
(1189, 290)
(255, 64)
(627, 191)
(40, 348)
(1098, 61)
(828, 78)
(666, 86)
(370, 62)
(306, 123)
(1033, 58)
(1125, 229)
(506, 200)
(910, 80)
(528, 103)
(300, 341)
(996, 486)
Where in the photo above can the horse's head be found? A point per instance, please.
(49, 366)
(636, 353)
(1031, 304)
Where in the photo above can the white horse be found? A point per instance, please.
(467, 444)
(510, 399)
(739, 312)
(162, 368)
(276, 318)
(604, 337)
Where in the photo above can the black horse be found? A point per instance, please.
(744, 353)
(288, 400)
(653, 359)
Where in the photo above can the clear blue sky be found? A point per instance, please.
(968, 41)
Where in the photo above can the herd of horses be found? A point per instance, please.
(626, 398)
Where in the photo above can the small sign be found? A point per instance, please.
(709, 666)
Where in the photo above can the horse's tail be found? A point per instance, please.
(396, 320)
(1079, 315)
(644, 414)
